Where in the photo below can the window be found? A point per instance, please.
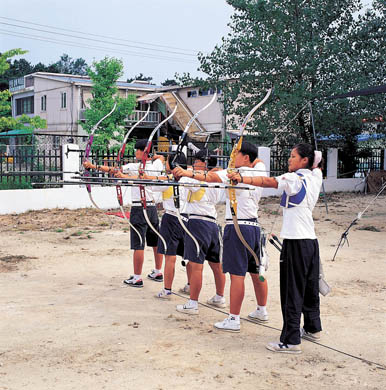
(192, 94)
(25, 105)
(63, 100)
(43, 103)
(203, 92)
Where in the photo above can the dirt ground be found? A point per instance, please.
(68, 322)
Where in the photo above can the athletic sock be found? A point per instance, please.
(136, 277)
(167, 289)
(192, 303)
(157, 271)
(262, 309)
(218, 297)
(234, 317)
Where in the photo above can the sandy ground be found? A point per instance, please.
(68, 322)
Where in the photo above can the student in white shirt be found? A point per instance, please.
(299, 260)
(236, 258)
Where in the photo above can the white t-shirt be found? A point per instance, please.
(151, 168)
(297, 221)
(167, 197)
(201, 200)
(247, 201)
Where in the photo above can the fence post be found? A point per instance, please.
(384, 159)
(332, 163)
(70, 156)
(264, 154)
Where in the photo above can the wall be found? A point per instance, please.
(74, 196)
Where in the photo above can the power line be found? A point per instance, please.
(100, 36)
(75, 44)
(97, 40)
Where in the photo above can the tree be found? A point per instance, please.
(140, 77)
(307, 54)
(104, 75)
(7, 122)
(20, 68)
(169, 83)
(69, 66)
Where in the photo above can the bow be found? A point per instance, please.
(88, 150)
(344, 235)
(119, 159)
(141, 172)
(232, 191)
(172, 164)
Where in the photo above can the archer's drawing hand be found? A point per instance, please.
(120, 175)
(88, 165)
(234, 177)
(178, 172)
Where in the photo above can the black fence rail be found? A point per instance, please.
(365, 160)
(27, 165)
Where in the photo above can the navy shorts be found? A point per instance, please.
(207, 235)
(137, 219)
(173, 233)
(237, 260)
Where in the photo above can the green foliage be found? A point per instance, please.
(69, 66)
(23, 184)
(169, 82)
(307, 54)
(104, 76)
(140, 77)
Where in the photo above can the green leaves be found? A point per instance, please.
(308, 54)
(104, 75)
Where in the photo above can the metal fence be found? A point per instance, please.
(34, 163)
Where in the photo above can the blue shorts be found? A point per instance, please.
(237, 260)
(173, 233)
(137, 219)
(207, 235)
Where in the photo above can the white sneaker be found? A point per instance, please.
(187, 309)
(156, 276)
(309, 336)
(258, 316)
(217, 302)
(284, 348)
(164, 294)
(185, 290)
(228, 325)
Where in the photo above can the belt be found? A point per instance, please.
(202, 218)
(139, 203)
(243, 222)
(171, 212)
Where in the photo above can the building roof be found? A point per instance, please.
(85, 80)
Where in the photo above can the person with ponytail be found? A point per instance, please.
(299, 259)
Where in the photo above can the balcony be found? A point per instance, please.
(152, 119)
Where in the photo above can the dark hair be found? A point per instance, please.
(204, 156)
(141, 144)
(248, 149)
(306, 150)
(180, 160)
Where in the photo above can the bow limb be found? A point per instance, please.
(142, 171)
(176, 190)
(119, 160)
(87, 154)
(176, 198)
(232, 191)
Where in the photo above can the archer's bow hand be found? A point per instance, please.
(178, 172)
(88, 165)
(120, 175)
(234, 177)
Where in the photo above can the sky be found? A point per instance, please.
(155, 37)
